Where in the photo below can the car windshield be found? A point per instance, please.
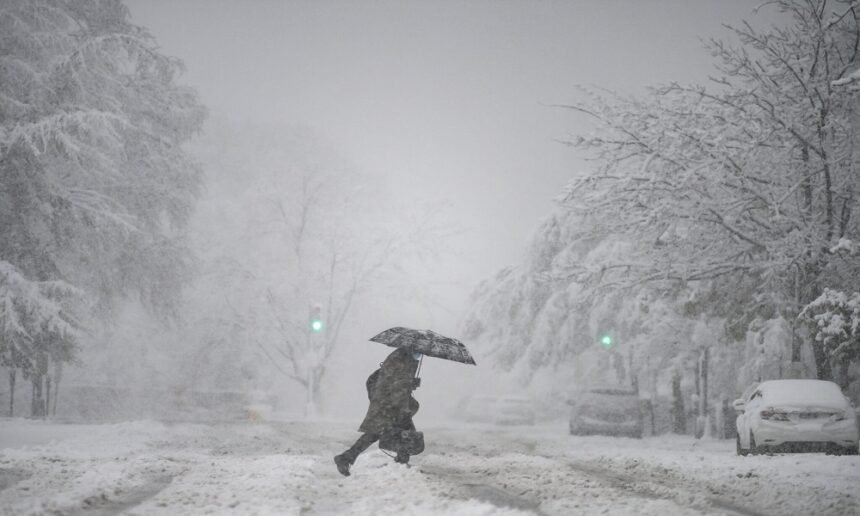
(609, 402)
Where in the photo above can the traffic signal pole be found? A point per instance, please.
(314, 330)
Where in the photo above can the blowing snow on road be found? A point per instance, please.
(286, 467)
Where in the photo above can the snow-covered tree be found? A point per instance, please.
(525, 317)
(749, 184)
(95, 188)
(38, 325)
(835, 319)
(710, 217)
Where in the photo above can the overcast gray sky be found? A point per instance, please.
(446, 99)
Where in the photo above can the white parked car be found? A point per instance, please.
(796, 415)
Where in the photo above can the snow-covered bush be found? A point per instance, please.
(835, 319)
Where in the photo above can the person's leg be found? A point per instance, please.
(360, 445)
(347, 458)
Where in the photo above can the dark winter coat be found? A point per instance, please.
(391, 401)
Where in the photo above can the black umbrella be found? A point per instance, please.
(427, 343)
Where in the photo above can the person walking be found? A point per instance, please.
(390, 412)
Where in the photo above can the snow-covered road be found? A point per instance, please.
(147, 468)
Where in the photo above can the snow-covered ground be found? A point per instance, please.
(148, 467)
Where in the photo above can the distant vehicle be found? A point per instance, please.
(614, 412)
(506, 410)
(795, 416)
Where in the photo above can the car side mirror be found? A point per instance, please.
(739, 405)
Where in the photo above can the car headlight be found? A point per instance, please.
(770, 414)
(838, 416)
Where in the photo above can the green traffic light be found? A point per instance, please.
(606, 341)
(316, 325)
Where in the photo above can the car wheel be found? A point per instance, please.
(755, 450)
(740, 450)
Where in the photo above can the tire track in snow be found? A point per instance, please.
(588, 479)
(11, 476)
(546, 487)
(471, 487)
(653, 488)
(111, 505)
(646, 488)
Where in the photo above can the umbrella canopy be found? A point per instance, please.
(425, 342)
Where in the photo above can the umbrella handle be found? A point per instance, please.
(420, 361)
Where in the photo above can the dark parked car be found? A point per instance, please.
(614, 412)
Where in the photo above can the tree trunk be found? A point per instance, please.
(842, 377)
(58, 374)
(679, 417)
(12, 373)
(705, 360)
(47, 395)
(795, 341)
(807, 184)
(823, 368)
(845, 215)
(828, 203)
(810, 290)
(37, 403)
(39, 407)
(649, 405)
(730, 416)
(654, 403)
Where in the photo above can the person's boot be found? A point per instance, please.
(343, 463)
(402, 458)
